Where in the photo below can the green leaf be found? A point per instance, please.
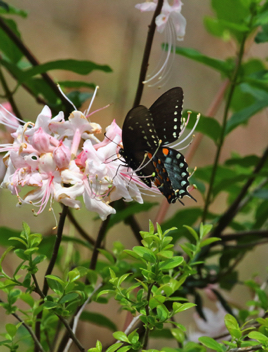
(98, 319)
(68, 297)
(222, 66)
(121, 336)
(11, 329)
(262, 37)
(210, 343)
(73, 275)
(77, 66)
(76, 84)
(206, 125)
(107, 255)
(259, 337)
(180, 307)
(7, 9)
(204, 230)
(232, 326)
(242, 116)
(124, 349)
(171, 263)
(192, 232)
(4, 255)
(162, 313)
(114, 347)
(145, 254)
(7, 46)
(208, 241)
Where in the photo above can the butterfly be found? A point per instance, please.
(145, 136)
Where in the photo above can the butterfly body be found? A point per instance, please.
(145, 134)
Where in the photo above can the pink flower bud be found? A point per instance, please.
(41, 141)
(62, 156)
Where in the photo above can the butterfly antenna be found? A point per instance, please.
(65, 96)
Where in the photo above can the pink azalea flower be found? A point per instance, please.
(61, 160)
(170, 21)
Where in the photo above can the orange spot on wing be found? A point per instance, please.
(165, 151)
(150, 156)
(157, 182)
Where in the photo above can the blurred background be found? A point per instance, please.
(113, 32)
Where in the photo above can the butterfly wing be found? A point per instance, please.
(167, 115)
(139, 136)
(172, 176)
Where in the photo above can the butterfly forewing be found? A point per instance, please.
(167, 115)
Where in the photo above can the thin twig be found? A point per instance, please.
(232, 210)
(28, 54)
(71, 334)
(78, 314)
(9, 96)
(98, 242)
(223, 127)
(36, 342)
(80, 230)
(56, 247)
(51, 266)
(146, 54)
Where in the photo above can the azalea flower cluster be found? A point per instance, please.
(61, 160)
(173, 24)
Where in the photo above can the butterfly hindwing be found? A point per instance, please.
(171, 174)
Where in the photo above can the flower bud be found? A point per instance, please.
(41, 141)
(62, 156)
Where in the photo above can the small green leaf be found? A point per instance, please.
(11, 329)
(192, 232)
(208, 241)
(232, 326)
(171, 263)
(180, 307)
(77, 66)
(114, 347)
(68, 297)
(145, 254)
(259, 337)
(121, 336)
(219, 65)
(212, 344)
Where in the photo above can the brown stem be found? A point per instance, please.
(146, 54)
(9, 96)
(28, 54)
(232, 210)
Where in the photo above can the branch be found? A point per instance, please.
(79, 228)
(233, 209)
(246, 349)
(146, 54)
(56, 247)
(17, 41)
(36, 342)
(77, 316)
(50, 267)
(98, 242)
(223, 127)
(9, 96)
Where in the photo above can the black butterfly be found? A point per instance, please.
(145, 134)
